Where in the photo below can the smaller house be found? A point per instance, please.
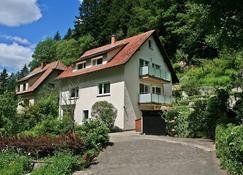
(29, 86)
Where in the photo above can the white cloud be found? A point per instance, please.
(14, 55)
(18, 12)
(16, 39)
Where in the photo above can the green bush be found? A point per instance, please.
(62, 163)
(176, 121)
(95, 134)
(198, 120)
(229, 147)
(13, 164)
(105, 111)
(51, 126)
(46, 107)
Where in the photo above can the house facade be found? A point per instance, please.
(29, 87)
(133, 74)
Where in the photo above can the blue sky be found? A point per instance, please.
(23, 23)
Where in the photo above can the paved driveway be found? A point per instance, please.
(134, 154)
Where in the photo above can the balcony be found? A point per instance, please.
(149, 71)
(155, 99)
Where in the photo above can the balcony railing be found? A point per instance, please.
(155, 98)
(158, 73)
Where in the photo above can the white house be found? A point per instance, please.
(133, 74)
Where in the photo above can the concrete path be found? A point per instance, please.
(134, 154)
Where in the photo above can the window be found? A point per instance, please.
(98, 61)
(24, 87)
(156, 90)
(74, 92)
(150, 44)
(156, 66)
(81, 65)
(143, 63)
(18, 88)
(143, 89)
(85, 115)
(104, 88)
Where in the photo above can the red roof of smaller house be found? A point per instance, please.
(128, 48)
(45, 71)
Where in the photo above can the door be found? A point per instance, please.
(153, 124)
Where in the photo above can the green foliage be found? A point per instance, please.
(238, 108)
(45, 52)
(104, 111)
(13, 164)
(229, 147)
(59, 164)
(51, 126)
(177, 122)
(45, 107)
(70, 50)
(198, 120)
(57, 36)
(8, 106)
(95, 134)
(219, 72)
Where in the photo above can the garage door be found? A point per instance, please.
(153, 124)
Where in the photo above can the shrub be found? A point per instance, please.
(95, 134)
(105, 111)
(229, 147)
(51, 126)
(61, 163)
(46, 107)
(176, 122)
(198, 120)
(13, 164)
(42, 145)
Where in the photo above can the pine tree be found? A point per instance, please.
(3, 81)
(24, 71)
(68, 35)
(57, 36)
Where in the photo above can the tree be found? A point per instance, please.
(45, 52)
(8, 104)
(70, 50)
(3, 81)
(68, 35)
(57, 36)
(23, 72)
(104, 111)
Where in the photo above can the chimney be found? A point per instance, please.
(113, 39)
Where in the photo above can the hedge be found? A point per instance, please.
(229, 147)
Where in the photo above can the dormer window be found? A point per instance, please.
(24, 87)
(97, 61)
(81, 65)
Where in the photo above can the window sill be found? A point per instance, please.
(73, 98)
(103, 95)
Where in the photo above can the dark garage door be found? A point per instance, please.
(153, 124)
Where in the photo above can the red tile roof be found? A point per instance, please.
(129, 46)
(45, 71)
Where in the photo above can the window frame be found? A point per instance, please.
(150, 44)
(81, 63)
(74, 91)
(102, 90)
(144, 90)
(84, 119)
(94, 61)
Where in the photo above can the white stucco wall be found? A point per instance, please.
(88, 92)
(132, 80)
